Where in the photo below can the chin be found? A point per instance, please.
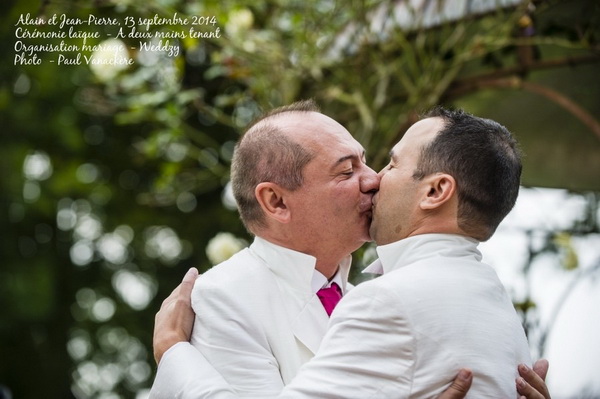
(366, 235)
(360, 239)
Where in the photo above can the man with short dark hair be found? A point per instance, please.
(483, 156)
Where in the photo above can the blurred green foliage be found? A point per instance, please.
(113, 181)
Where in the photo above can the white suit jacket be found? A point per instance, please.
(257, 321)
(406, 334)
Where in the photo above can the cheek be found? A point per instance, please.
(387, 189)
(341, 210)
(338, 208)
(395, 194)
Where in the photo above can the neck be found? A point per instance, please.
(328, 260)
(435, 225)
(327, 269)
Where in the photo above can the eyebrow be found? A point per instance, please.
(392, 155)
(349, 157)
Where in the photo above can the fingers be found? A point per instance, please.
(187, 284)
(183, 290)
(190, 276)
(460, 386)
(530, 384)
(527, 391)
(180, 298)
(174, 321)
(541, 368)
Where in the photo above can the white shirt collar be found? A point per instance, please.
(320, 281)
(297, 268)
(412, 249)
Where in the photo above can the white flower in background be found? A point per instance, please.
(223, 246)
(239, 21)
(108, 59)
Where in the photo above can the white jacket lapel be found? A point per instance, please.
(310, 324)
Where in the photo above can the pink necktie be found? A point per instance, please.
(330, 297)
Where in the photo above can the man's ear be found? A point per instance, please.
(271, 198)
(441, 188)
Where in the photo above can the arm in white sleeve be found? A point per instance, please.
(183, 373)
(368, 351)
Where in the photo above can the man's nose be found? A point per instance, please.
(370, 181)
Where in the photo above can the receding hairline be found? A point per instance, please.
(303, 106)
(277, 121)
